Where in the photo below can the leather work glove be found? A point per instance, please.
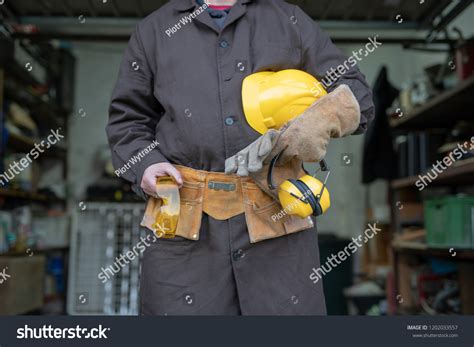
(306, 137)
(251, 158)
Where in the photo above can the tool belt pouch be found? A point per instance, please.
(266, 218)
(225, 196)
(190, 214)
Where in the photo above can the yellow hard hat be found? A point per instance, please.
(270, 99)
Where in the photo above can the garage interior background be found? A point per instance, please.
(66, 216)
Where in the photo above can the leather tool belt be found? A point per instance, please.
(222, 197)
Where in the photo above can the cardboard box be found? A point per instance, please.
(411, 213)
(21, 284)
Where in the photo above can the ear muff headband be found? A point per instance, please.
(308, 196)
(302, 188)
(270, 171)
(322, 164)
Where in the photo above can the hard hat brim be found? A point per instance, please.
(250, 102)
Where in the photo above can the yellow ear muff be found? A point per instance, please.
(305, 196)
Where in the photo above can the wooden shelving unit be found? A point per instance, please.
(442, 111)
(47, 112)
(13, 193)
(24, 144)
(460, 173)
(421, 249)
(18, 85)
(33, 251)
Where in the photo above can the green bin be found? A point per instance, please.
(449, 222)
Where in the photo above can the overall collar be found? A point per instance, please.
(186, 5)
(237, 11)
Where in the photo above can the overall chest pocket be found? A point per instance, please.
(275, 57)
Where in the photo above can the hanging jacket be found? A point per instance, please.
(379, 161)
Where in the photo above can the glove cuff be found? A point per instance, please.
(341, 109)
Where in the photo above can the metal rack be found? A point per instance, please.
(100, 233)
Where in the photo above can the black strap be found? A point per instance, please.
(270, 171)
(323, 165)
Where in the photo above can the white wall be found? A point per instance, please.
(97, 68)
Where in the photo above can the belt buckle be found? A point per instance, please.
(227, 187)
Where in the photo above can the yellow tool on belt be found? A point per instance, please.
(270, 100)
(166, 221)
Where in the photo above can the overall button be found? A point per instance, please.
(238, 254)
(224, 44)
(229, 121)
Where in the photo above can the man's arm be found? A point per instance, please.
(133, 115)
(320, 55)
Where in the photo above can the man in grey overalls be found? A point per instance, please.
(180, 84)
